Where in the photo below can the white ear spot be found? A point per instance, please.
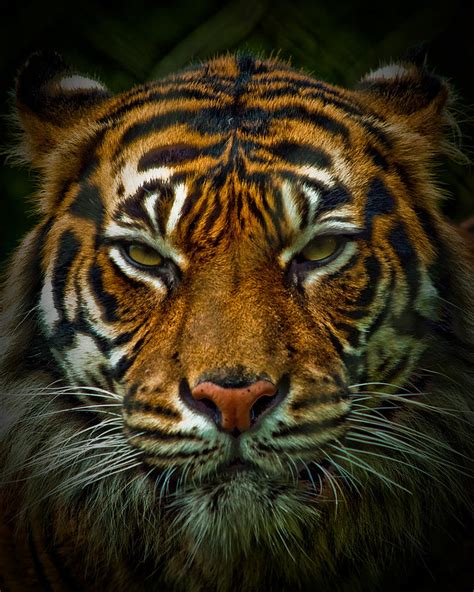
(78, 83)
(389, 72)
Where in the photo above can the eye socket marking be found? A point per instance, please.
(324, 254)
(142, 256)
(322, 250)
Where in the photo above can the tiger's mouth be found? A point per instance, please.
(311, 477)
(312, 474)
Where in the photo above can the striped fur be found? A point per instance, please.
(112, 480)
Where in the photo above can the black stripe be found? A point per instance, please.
(123, 338)
(88, 204)
(376, 132)
(153, 124)
(367, 295)
(174, 456)
(377, 157)
(134, 206)
(335, 343)
(276, 212)
(405, 176)
(166, 155)
(178, 89)
(256, 211)
(400, 366)
(191, 200)
(333, 198)
(122, 367)
(398, 239)
(351, 334)
(213, 215)
(68, 248)
(294, 90)
(275, 217)
(63, 335)
(385, 313)
(247, 68)
(301, 154)
(379, 201)
(314, 402)
(194, 221)
(302, 201)
(58, 562)
(108, 302)
(157, 434)
(310, 428)
(178, 153)
(299, 83)
(131, 406)
(83, 325)
(349, 264)
(329, 124)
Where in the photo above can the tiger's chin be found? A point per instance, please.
(241, 509)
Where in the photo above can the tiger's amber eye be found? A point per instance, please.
(321, 248)
(143, 255)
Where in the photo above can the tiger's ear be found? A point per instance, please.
(50, 100)
(409, 94)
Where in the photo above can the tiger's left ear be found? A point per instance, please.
(409, 94)
(50, 101)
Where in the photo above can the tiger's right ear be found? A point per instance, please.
(50, 101)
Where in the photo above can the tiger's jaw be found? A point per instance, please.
(238, 511)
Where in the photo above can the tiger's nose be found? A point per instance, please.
(235, 409)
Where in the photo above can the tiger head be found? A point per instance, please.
(239, 287)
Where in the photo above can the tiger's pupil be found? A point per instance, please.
(321, 248)
(144, 255)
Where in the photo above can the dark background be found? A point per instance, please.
(127, 44)
(336, 40)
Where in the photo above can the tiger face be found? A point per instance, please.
(230, 257)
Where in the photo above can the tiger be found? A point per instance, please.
(237, 347)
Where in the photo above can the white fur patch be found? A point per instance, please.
(314, 197)
(388, 72)
(116, 354)
(321, 175)
(78, 83)
(84, 358)
(150, 204)
(180, 194)
(132, 179)
(48, 310)
(291, 209)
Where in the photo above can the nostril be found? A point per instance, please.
(260, 406)
(212, 409)
(203, 405)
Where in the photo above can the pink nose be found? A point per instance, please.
(235, 404)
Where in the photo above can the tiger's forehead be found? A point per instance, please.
(258, 115)
(238, 140)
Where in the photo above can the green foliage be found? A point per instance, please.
(127, 44)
